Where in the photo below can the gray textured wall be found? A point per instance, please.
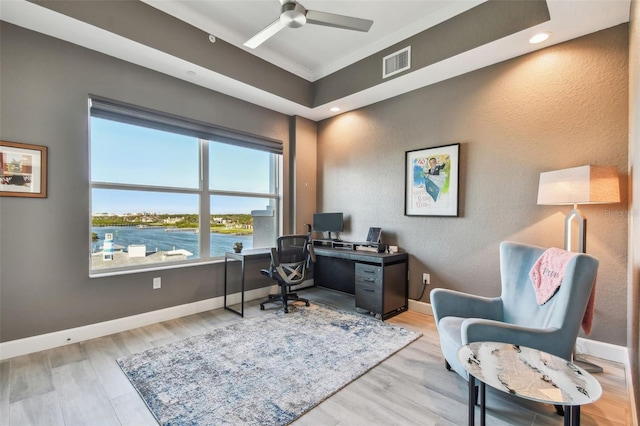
(476, 27)
(145, 24)
(560, 107)
(574, 112)
(45, 285)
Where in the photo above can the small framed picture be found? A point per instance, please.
(23, 170)
(431, 181)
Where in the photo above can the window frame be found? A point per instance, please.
(99, 107)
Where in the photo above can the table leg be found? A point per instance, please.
(472, 398)
(575, 415)
(571, 415)
(483, 404)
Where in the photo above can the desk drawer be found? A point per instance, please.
(369, 287)
(368, 275)
(369, 297)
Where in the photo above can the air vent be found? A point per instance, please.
(396, 62)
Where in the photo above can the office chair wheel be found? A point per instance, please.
(286, 310)
(306, 303)
(261, 307)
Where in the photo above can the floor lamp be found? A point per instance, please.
(573, 186)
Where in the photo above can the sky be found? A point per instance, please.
(122, 153)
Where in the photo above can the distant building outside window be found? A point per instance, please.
(169, 191)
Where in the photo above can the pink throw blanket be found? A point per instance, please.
(546, 276)
(547, 273)
(587, 319)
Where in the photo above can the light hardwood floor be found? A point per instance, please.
(81, 384)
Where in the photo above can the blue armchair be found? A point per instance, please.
(515, 316)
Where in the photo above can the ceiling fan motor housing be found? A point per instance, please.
(293, 15)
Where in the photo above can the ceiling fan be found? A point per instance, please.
(294, 15)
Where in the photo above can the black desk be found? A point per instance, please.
(380, 281)
(243, 256)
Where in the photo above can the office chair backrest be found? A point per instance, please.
(564, 310)
(292, 248)
(291, 258)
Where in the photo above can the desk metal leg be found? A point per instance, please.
(242, 291)
(241, 311)
(225, 283)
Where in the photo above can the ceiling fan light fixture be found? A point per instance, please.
(293, 15)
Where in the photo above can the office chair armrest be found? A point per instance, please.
(545, 339)
(275, 259)
(275, 262)
(447, 303)
(312, 253)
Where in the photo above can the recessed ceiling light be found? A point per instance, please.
(334, 109)
(539, 38)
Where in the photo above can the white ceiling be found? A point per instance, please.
(314, 51)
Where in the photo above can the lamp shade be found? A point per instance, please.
(579, 185)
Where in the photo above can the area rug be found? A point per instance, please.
(267, 370)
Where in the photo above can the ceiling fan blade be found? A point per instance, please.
(265, 34)
(338, 21)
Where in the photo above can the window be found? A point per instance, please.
(155, 178)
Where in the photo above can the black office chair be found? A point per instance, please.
(290, 259)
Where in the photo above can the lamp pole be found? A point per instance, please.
(577, 220)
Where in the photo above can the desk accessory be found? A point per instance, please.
(374, 235)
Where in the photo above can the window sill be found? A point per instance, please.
(154, 267)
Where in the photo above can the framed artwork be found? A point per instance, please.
(23, 170)
(431, 181)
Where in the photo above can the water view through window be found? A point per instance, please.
(148, 193)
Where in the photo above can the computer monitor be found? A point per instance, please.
(328, 222)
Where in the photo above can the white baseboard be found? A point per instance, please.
(594, 348)
(421, 307)
(603, 350)
(42, 342)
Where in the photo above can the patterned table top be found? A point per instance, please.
(529, 373)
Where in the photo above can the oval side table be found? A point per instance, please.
(527, 373)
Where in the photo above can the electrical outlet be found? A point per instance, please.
(157, 283)
(426, 279)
